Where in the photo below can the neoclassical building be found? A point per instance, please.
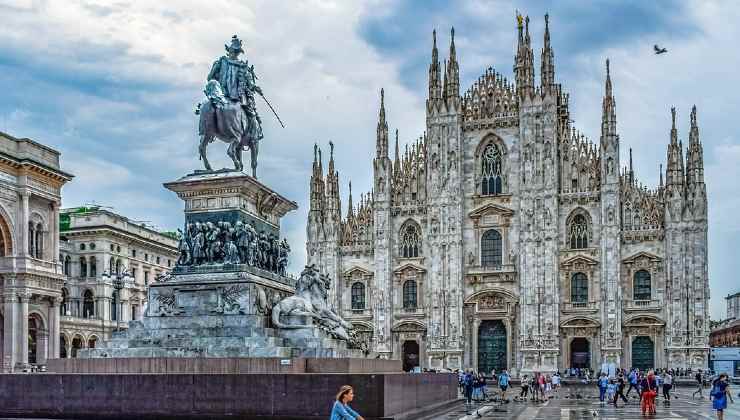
(99, 247)
(32, 277)
(504, 238)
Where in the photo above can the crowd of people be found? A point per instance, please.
(646, 386)
(540, 387)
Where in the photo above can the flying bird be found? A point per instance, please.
(659, 50)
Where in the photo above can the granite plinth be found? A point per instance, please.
(230, 196)
(219, 396)
(217, 315)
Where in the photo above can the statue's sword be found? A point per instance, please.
(254, 77)
(272, 109)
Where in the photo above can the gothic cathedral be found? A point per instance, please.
(503, 238)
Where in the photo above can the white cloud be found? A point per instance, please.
(112, 85)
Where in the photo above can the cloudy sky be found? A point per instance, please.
(112, 85)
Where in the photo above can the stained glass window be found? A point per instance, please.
(641, 286)
(579, 288)
(491, 168)
(410, 241)
(579, 232)
(409, 294)
(358, 296)
(491, 249)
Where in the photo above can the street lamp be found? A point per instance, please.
(120, 280)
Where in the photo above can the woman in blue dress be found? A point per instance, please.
(341, 409)
(720, 393)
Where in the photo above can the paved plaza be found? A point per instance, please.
(565, 407)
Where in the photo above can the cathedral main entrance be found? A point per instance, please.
(410, 355)
(580, 353)
(492, 345)
(643, 353)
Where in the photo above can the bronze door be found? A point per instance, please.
(643, 353)
(492, 345)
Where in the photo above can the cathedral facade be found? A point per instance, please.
(504, 238)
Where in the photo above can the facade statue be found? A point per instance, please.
(229, 112)
(310, 300)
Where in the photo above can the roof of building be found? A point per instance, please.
(27, 151)
(68, 223)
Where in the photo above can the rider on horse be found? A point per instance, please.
(238, 84)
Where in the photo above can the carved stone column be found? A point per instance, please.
(54, 328)
(22, 336)
(474, 353)
(22, 249)
(10, 330)
(42, 347)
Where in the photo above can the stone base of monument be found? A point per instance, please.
(217, 301)
(219, 314)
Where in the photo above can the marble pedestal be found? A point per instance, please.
(219, 309)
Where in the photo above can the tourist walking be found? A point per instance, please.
(468, 384)
(556, 381)
(611, 392)
(667, 385)
(541, 386)
(649, 389)
(602, 383)
(525, 388)
(534, 386)
(719, 395)
(620, 390)
(503, 383)
(341, 409)
(700, 381)
(632, 378)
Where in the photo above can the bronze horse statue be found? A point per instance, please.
(230, 123)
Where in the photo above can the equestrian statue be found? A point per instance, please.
(229, 112)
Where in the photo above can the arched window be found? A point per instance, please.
(67, 266)
(39, 242)
(358, 295)
(83, 267)
(578, 232)
(410, 240)
(491, 171)
(118, 267)
(93, 267)
(88, 305)
(491, 249)
(579, 288)
(33, 335)
(409, 294)
(114, 306)
(91, 342)
(63, 305)
(111, 265)
(82, 247)
(31, 237)
(641, 288)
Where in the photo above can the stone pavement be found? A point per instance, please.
(563, 407)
